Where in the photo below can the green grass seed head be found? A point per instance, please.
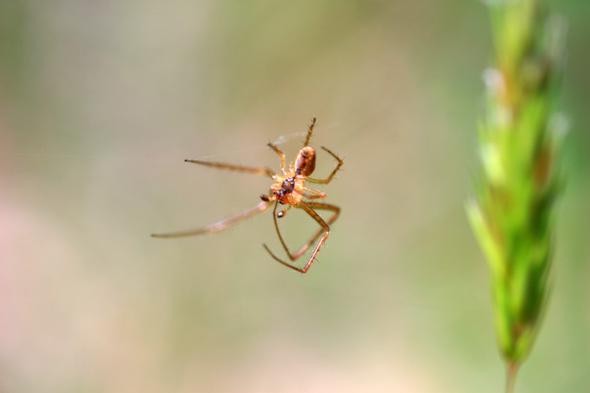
(512, 214)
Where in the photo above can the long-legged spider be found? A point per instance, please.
(288, 189)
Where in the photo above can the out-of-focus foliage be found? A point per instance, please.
(519, 147)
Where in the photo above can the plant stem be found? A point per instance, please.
(511, 371)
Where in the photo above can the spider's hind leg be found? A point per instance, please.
(281, 155)
(310, 193)
(309, 131)
(331, 176)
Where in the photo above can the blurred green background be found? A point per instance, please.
(101, 101)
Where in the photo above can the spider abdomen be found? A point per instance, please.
(305, 163)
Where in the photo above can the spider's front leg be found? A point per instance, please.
(217, 226)
(322, 234)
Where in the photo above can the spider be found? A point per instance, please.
(288, 189)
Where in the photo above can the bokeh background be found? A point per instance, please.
(100, 102)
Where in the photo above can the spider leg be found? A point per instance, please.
(309, 132)
(310, 193)
(276, 224)
(303, 249)
(217, 226)
(322, 234)
(281, 155)
(236, 168)
(317, 206)
(331, 176)
(296, 268)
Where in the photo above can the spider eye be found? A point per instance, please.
(264, 197)
(280, 214)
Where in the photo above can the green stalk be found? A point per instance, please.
(512, 215)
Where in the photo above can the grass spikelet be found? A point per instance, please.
(512, 215)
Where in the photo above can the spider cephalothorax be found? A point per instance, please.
(288, 188)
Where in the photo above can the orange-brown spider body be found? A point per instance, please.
(288, 188)
(305, 162)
